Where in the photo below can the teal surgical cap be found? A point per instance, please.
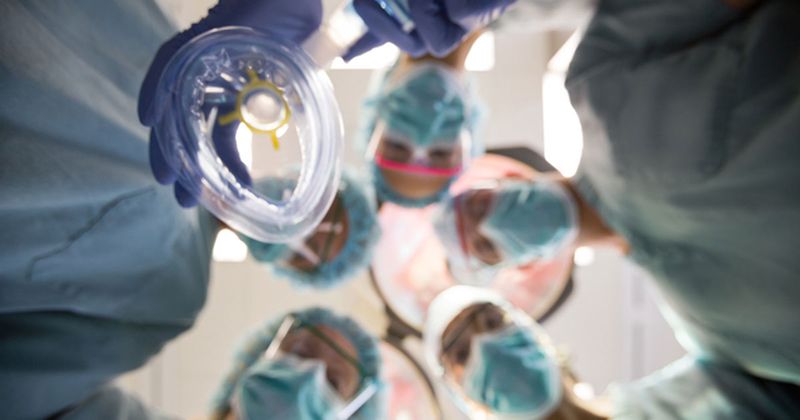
(249, 365)
(531, 220)
(427, 105)
(355, 255)
(509, 373)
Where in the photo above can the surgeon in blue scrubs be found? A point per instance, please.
(99, 266)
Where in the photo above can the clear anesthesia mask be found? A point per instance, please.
(236, 100)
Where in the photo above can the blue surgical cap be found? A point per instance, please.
(250, 352)
(355, 255)
(530, 220)
(509, 373)
(426, 105)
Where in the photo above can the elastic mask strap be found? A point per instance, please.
(356, 403)
(415, 168)
(337, 217)
(331, 227)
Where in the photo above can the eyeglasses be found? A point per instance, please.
(366, 386)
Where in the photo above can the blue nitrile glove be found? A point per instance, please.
(440, 25)
(292, 20)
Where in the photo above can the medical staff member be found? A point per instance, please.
(420, 123)
(495, 361)
(690, 113)
(99, 268)
(307, 365)
(341, 245)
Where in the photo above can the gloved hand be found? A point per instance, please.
(440, 25)
(293, 20)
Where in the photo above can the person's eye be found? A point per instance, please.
(334, 380)
(494, 321)
(441, 157)
(462, 355)
(484, 246)
(485, 250)
(302, 348)
(395, 151)
(478, 204)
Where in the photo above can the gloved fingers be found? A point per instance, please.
(434, 27)
(385, 27)
(364, 44)
(475, 14)
(185, 197)
(145, 107)
(161, 169)
(224, 139)
(294, 20)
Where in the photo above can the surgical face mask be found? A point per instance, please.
(529, 220)
(287, 386)
(502, 224)
(510, 374)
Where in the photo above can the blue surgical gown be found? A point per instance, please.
(691, 119)
(99, 267)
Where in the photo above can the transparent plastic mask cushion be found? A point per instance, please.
(297, 93)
